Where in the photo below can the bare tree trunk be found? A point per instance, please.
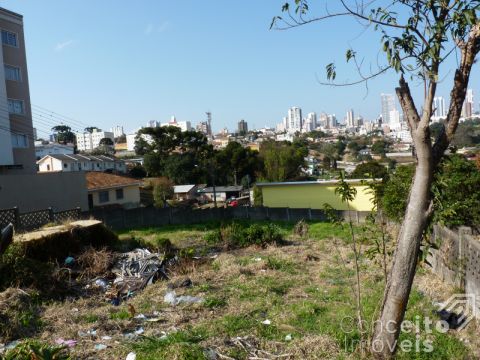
(399, 283)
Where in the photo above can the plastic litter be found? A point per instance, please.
(101, 283)
(106, 338)
(172, 299)
(266, 322)
(131, 356)
(69, 260)
(70, 343)
(139, 331)
(288, 337)
(99, 347)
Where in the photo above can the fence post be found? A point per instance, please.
(268, 213)
(79, 213)
(310, 214)
(51, 215)
(17, 218)
(288, 214)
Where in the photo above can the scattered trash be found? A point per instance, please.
(140, 317)
(134, 271)
(258, 259)
(69, 261)
(288, 337)
(139, 331)
(210, 354)
(173, 299)
(102, 283)
(12, 345)
(106, 338)
(266, 322)
(180, 283)
(70, 343)
(99, 347)
(75, 310)
(131, 356)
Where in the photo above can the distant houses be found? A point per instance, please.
(78, 162)
(109, 190)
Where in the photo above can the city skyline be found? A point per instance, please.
(169, 62)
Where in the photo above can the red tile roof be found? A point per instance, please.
(100, 180)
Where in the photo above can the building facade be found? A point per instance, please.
(294, 119)
(17, 151)
(42, 150)
(90, 141)
(388, 105)
(242, 127)
(78, 162)
(117, 131)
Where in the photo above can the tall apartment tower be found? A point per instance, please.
(17, 148)
(350, 119)
(388, 105)
(439, 107)
(242, 127)
(294, 119)
(468, 104)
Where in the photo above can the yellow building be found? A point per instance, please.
(313, 194)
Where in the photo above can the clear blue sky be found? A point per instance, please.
(115, 62)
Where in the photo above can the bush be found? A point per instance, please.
(32, 349)
(236, 235)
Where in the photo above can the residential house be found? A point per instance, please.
(184, 192)
(78, 162)
(221, 193)
(112, 190)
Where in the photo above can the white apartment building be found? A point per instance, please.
(388, 104)
(89, 141)
(183, 125)
(131, 138)
(294, 119)
(310, 122)
(440, 110)
(117, 131)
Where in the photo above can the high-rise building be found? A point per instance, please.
(439, 107)
(242, 127)
(467, 109)
(202, 127)
(89, 141)
(388, 104)
(350, 120)
(153, 123)
(331, 121)
(17, 150)
(323, 120)
(117, 131)
(183, 125)
(312, 118)
(294, 119)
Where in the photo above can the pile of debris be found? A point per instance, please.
(131, 272)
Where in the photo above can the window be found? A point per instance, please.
(15, 107)
(12, 73)
(19, 141)
(9, 38)
(119, 194)
(103, 197)
(65, 165)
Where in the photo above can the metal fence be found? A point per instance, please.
(36, 219)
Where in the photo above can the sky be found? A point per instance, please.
(113, 62)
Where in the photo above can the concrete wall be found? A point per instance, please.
(456, 260)
(62, 191)
(313, 196)
(131, 197)
(119, 219)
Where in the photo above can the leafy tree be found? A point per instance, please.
(90, 129)
(138, 172)
(395, 196)
(417, 37)
(162, 191)
(64, 134)
(281, 161)
(456, 193)
(235, 162)
(369, 169)
(380, 147)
